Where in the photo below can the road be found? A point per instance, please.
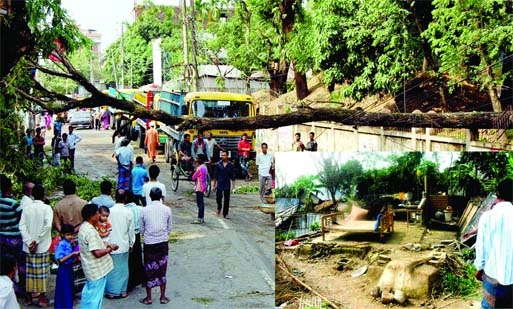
(221, 264)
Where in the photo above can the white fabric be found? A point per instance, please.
(494, 244)
(36, 224)
(7, 295)
(73, 140)
(264, 162)
(151, 184)
(122, 222)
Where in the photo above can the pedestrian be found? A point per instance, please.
(123, 235)
(7, 273)
(199, 146)
(103, 226)
(312, 144)
(298, 145)
(154, 172)
(97, 119)
(125, 158)
(135, 263)
(36, 232)
(57, 125)
(200, 187)
(56, 150)
(105, 198)
(151, 141)
(27, 194)
(11, 243)
(185, 153)
(105, 117)
(29, 143)
(139, 177)
(95, 259)
(265, 162)
(39, 145)
(65, 152)
(224, 182)
(212, 145)
(244, 148)
(48, 120)
(69, 209)
(155, 224)
(73, 139)
(65, 256)
(494, 250)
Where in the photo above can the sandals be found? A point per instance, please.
(164, 300)
(122, 295)
(145, 301)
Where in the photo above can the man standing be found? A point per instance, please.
(95, 258)
(27, 194)
(298, 145)
(264, 161)
(39, 146)
(212, 144)
(139, 177)
(312, 144)
(11, 243)
(494, 250)
(244, 147)
(154, 172)
(105, 198)
(36, 228)
(125, 158)
(68, 210)
(155, 224)
(224, 182)
(123, 235)
(73, 139)
(151, 141)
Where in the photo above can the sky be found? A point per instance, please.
(105, 16)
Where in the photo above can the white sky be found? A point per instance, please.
(105, 16)
(292, 165)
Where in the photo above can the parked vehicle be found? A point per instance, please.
(81, 119)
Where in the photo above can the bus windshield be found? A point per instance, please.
(220, 108)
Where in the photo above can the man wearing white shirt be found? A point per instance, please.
(122, 234)
(154, 172)
(73, 140)
(125, 158)
(27, 194)
(264, 161)
(494, 250)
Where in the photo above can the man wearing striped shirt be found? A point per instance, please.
(494, 250)
(11, 243)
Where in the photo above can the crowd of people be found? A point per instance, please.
(102, 236)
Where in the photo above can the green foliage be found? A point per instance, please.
(246, 189)
(462, 283)
(284, 236)
(315, 226)
(335, 177)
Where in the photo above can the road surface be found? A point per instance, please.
(221, 264)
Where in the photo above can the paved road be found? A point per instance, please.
(221, 264)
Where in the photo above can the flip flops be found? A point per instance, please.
(145, 301)
(164, 300)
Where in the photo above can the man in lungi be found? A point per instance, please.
(155, 226)
(36, 227)
(494, 250)
(123, 234)
(95, 258)
(125, 158)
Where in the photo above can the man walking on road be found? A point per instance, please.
(264, 161)
(224, 182)
(494, 250)
(73, 140)
(151, 141)
(155, 225)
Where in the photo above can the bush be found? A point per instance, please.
(462, 283)
(315, 226)
(284, 236)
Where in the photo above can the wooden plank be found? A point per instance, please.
(467, 210)
(473, 211)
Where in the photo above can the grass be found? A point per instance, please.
(203, 300)
(175, 236)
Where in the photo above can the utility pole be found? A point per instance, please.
(113, 70)
(195, 77)
(122, 58)
(186, 72)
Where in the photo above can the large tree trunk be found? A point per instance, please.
(301, 85)
(278, 77)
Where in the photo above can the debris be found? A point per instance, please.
(360, 271)
(375, 292)
(399, 296)
(387, 297)
(343, 263)
(290, 243)
(228, 277)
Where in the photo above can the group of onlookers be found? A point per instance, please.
(103, 237)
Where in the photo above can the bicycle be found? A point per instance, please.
(178, 172)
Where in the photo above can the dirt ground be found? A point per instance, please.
(340, 287)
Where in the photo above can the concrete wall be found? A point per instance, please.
(334, 137)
